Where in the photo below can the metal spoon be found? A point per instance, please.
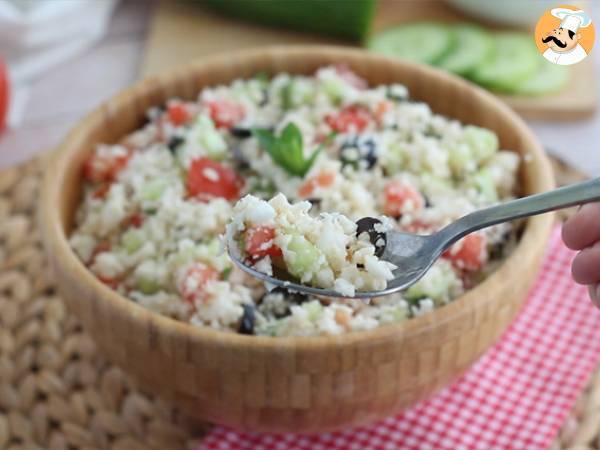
(414, 254)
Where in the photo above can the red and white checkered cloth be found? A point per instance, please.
(515, 397)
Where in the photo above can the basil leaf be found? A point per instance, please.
(310, 161)
(287, 150)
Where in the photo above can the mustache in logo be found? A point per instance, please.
(555, 40)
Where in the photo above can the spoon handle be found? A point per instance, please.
(574, 194)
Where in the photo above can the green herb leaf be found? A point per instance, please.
(287, 150)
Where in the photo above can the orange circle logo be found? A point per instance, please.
(565, 35)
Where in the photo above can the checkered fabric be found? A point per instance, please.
(515, 397)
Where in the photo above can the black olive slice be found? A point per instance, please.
(248, 319)
(377, 238)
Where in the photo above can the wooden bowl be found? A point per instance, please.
(292, 384)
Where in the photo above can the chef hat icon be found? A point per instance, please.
(572, 20)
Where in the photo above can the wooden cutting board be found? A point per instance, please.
(183, 31)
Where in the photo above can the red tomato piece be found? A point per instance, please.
(322, 179)
(353, 118)
(4, 94)
(178, 114)
(401, 198)
(101, 191)
(104, 167)
(259, 243)
(381, 108)
(110, 282)
(350, 77)
(225, 113)
(469, 253)
(135, 220)
(208, 179)
(195, 279)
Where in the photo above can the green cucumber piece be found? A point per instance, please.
(147, 286)
(514, 59)
(548, 79)
(422, 42)
(482, 142)
(154, 189)
(132, 240)
(303, 256)
(472, 46)
(209, 138)
(314, 310)
(350, 19)
(485, 185)
(460, 159)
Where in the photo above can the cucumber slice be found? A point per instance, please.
(513, 60)
(472, 46)
(548, 79)
(422, 42)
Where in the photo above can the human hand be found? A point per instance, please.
(582, 232)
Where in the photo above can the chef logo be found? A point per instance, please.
(565, 35)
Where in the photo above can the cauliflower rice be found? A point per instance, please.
(156, 203)
(325, 251)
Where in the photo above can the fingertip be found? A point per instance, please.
(581, 230)
(584, 268)
(567, 233)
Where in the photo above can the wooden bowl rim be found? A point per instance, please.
(536, 229)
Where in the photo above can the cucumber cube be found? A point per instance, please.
(301, 256)
(147, 286)
(483, 143)
(132, 240)
(460, 159)
(153, 190)
(486, 186)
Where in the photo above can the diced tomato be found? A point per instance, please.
(208, 179)
(104, 167)
(353, 118)
(225, 113)
(381, 108)
(195, 279)
(349, 76)
(178, 114)
(4, 94)
(401, 198)
(101, 191)
(342, 318)
(110, 282)
(135, 220)
(469, 253)
(259, 243)
(322, 179)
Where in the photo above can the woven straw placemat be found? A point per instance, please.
(58, 392)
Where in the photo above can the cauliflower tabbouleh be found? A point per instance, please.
(156, 203)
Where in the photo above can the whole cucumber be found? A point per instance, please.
(348, 19)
